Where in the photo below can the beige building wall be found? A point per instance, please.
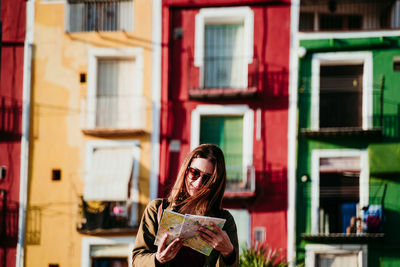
(57, 137)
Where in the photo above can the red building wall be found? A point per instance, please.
(271, 47)
(12, 58)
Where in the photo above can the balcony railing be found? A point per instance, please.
(10, 118)
(8, 224)
(105, 217)
(347, 15)
(341, 109)
(99, 15)
(112, 115)
(244, 187)
(223, 77)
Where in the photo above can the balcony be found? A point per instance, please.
(114, 115)
(10, 119)
(99, 15)
(106, 217)
(339, 108)
(346, 15)
(8, 222)
(241, 188)
(365, 228)
(223, 77)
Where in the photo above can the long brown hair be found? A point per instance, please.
(209, 198)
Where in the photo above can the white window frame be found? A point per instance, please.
(101, 53)
(263, 231)
(88, 242)
(313, 249)
(223, 15)
(134, 190)
(226, 110)
(317, 154)
(341, 58)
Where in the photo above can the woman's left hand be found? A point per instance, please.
(217, 238)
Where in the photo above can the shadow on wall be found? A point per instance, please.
(8, 223)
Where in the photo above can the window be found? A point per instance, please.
(343, 16)
(306, 22)
(115, 98)
(259, 235)
(396, 63)
(111, 183)
(334, 22)
(242, 220)
(224, 46)
(231, 128)
(336, 255)
(96, 15)
(339, 189)
(340, 96)
(341, 90)
(107, 251)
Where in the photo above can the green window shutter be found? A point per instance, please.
(227, 133)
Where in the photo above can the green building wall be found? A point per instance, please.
(384, 50)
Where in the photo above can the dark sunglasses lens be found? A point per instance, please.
(194, 172)
(206, 177)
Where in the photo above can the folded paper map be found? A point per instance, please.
(185, 226)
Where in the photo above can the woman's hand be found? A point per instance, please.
(165, 254)
(218, 239)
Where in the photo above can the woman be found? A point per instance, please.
(198, 189)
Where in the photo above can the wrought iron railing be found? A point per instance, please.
(246, 183)
(226, 73)
(381, 110)
(10, 117)
(99, 15)
(8, 221)
(104, 215)
(114, 112)
(348, 15)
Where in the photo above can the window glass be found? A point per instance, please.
(225, 65)
(115, 93)
(337, 260)
(100, 15)
(341, 96)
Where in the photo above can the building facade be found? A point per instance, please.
(12, 40)
(225, 71)
(348, 138)
(91, 131)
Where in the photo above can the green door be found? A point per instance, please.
(227, 133)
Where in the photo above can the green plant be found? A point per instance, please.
(261, 255)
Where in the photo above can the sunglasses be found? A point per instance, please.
(196, 173)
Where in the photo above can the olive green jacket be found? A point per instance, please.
(144, 251)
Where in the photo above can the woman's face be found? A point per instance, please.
(199, 171)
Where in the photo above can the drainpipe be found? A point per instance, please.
(26, 106)
(155, 99)
(292, 132)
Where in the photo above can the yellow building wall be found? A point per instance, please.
(57, 140)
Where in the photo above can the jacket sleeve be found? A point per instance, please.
(144, 250)
(231, 230)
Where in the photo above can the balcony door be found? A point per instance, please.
(341, 96)
(340, 182)
(227, 133)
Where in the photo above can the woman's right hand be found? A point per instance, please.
(165, 254)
